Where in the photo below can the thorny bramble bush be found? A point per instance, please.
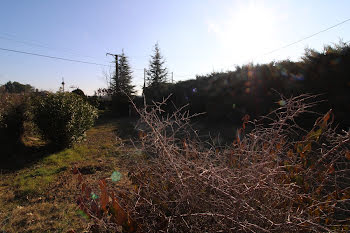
(278, 178)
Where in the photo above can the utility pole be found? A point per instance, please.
(144, 77)
(116, 67)
(172, 77)
(62, 84)
(144, 82)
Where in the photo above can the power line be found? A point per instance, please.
(8, 37)
(308, 37)
(52, 57)
(13, 38)
(184, 76)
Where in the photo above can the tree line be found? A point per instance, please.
(253, 89)
(16, 87)
(256, 89)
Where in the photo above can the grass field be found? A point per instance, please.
(39, 193)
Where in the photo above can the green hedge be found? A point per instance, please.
(63, 118)
(13, 112)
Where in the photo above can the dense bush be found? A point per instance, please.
(278, 178)
(63, 118)
(252, 89)
(13, 113)
(79, 92)
(16, 87)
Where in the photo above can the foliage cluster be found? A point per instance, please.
(63, 118)
(120, 87)
(156, 86)
(79, 92)
(13, 112)
(119, 91)
(16, 87)
(277, 178)
(156, 73)
(125, 76)
(253, 89)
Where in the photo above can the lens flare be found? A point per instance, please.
(116, 176)
(281, 102)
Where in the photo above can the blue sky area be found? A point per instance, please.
(195, 36)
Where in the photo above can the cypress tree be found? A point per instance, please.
(121, 87)
(157, 73)
(125, 76)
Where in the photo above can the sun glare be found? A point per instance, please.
(247, 31)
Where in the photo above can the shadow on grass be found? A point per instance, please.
(124, 126)
(22, 156)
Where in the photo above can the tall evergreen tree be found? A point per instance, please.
(156, 73)
(121, 84)
(121, 88)
(125, 75)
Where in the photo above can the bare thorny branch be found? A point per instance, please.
(278, 178)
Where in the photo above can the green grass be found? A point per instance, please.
(67, 156)
(36, 180)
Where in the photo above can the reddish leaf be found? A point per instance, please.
(238, 136)
(94, 208)
(307, 148)
(347, 155)
(331, 169)
(142, 134)
(87, 193)
(80, 178)
(83, 188)
(184, 144)
(132, 226)
(104, 194)
(278, 146)
(75, 170)
(326, 117)
(120, 216)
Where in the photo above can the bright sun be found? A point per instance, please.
(247, 32)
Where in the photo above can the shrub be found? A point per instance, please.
(63, 118)
(277, 178)
(13, 113)
(79, 92)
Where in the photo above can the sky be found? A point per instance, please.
(196, 37)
